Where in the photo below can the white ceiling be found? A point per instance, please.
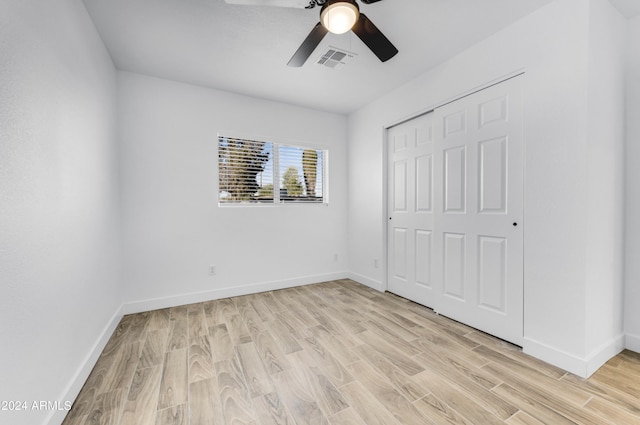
(245, 49)
(629, 8)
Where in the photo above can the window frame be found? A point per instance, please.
(277, 177)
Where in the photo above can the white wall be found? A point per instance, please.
(605, 183)
(632, 155)
(173, 226)
(59, 228)
(552, 47)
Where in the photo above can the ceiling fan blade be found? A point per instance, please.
(369, 1)
(374, 39)
(299, 4)
(308, 46)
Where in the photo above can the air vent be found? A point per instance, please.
(335, 58)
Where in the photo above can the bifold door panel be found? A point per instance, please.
(410, 210)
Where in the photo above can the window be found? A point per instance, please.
(250, 170)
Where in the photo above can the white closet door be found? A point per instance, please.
(410, 208)
(478, 210)
(455, 204)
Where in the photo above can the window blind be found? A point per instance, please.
(250, 170)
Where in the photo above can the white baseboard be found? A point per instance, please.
(371, 283)
(80, 377)
(632, 342)
(604, 353)
(582, 367)
(215, 294)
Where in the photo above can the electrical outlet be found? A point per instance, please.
(335, 257)
(212, 270)
(376, 263)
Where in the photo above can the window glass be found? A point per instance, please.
(250, 170)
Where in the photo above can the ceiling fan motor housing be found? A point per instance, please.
(339, 16)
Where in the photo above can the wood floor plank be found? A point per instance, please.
(238, 330)
(521, 418)
(142, 398)
(390, 326)
(430, 339)
(272, 303)
(438, 412)
(519, 377)
(137, 327)
(303, 316)
(260, 306)
(197, 323)
(548, 395)
(611, 412)
(200, 359)
(458, 400)
(329, 399)
(107, 408)
(448, 328)
(204, 400)
(625, 382)
(125, 362)
(220, 342)
(273, 358)
(336, 343)
(456, 364)
(178, 336)
(316, 354)
(285, 336)
(252, 321)
(174, 387)
(174, 415)
(217, 311)
(366, 405)
(394, 355)
(350, 319)
(346, 417)
(117, 338)
(178, 313)
(407, 387)
(255, 374)
(94, 386)
(272, 411)
(159, 319)
(154, 348)
(80, 408)
(292, 322)
(327, 322)
(388, 335)
(605, 392)
(283, 298)
(234, 393)
(298, 398)
(516, 353)
(630, 360)
(531, 406)
(386, 394)
(241, 301)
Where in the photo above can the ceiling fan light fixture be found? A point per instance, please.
(339, 16)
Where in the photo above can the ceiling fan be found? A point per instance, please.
(338, 17)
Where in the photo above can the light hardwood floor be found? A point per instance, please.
(335, 353)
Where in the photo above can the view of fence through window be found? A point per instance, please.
(250, 170)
